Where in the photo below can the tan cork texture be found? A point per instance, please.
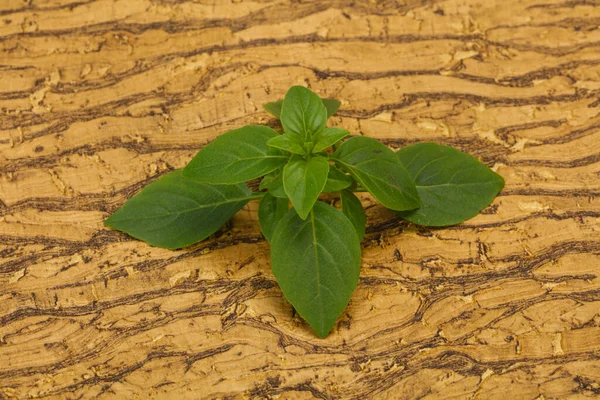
(99, 98)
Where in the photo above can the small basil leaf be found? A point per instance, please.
(288, 142)
(303, 181)
(303, 113)
(380, 171)
(327, 137)
(336, 180)
(453, 185)
(316, 263)
(331, 105)
(353, 209)
(236, 156)
(274, 108)
(276, 187)
(270, 212)
(175, 212)
(266, 181)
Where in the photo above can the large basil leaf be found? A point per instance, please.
(453, 186)
(316, 263)
(353, 209)
(288, 142)
(274, 108)
(270, 212)
(380, 171)
(175, 212)
(302, 113)
(236, 156)
(327, 137)
(304, 180)
(336, 180)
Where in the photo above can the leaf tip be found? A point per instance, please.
(322, 333)
(302, 214)
(109, 221)
(501, 181)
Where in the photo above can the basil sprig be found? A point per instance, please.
(315, 247)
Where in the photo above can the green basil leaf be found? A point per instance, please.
(327, 137)
(316, 263)
(175, 212)
(331, 105)
(336, 180)
(304, 180)
(274, 108)
(236, 156)
(267, 180)
(453, 185)
(380, 171)
(270, 212)
(353, 209)
(288, 142)
(276, 187)
(303, 113)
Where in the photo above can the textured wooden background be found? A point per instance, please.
(99, 98)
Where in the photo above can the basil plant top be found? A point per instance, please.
(315, 247)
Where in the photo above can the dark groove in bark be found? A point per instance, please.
(579, 162)
(282, 11)
(260, 17)
(34, 9)
(566, 4)
(144, 65)
(489, 152)
(111, 108)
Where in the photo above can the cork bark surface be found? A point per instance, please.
(99, 98)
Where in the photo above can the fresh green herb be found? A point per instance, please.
(379, 171)
(336, 180)
(175, 212)
(452, 185)
(236, 156)
(316, 262)
(304, 180)
(315, 247)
